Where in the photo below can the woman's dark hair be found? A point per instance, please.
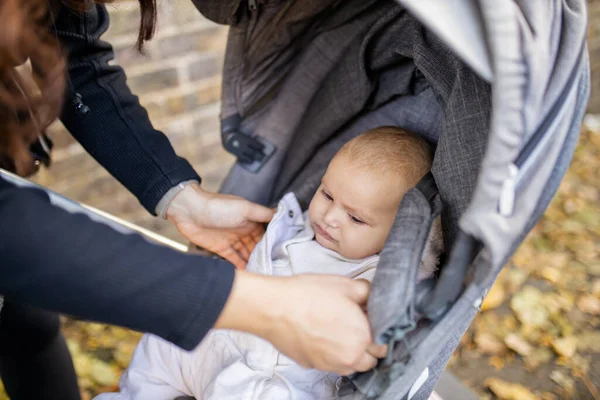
(148, 15)
(27, 108)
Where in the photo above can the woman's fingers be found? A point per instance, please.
(366, 363)
(377, 350)
(242, 250)
(234, 257)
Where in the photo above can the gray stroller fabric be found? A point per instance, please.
(306, 76)
(332, 83)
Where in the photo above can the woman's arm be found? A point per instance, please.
(118, 134)
(70, 264)
(116, 131)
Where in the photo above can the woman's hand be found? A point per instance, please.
(227, 225)
(315, 320)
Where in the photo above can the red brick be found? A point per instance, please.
(204, 67)
(162, 78)
(127, 54)
(183, 102)
(197, 40)
(124, 20)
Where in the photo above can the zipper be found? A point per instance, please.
(252, 5)
(535, 147)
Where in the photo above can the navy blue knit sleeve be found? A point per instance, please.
(116, 131)
(67, 263)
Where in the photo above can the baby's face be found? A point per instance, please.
(354, 209)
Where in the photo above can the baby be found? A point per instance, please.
(342, 233)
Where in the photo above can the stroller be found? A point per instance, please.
(499, 88)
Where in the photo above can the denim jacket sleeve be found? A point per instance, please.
(116, 131)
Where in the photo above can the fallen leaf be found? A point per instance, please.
(518, 345)
(494, 298)
(562, 321)
(538, 357)
(566, 347)
(531, 333)
(103, 373)
(82, 364)
(551, 274)
(546, 340)
(596, 288)
(488, 344)
(515, 278)
(496, 362)
(525, 257)
(589, 304)
(578, 363)
(558, 302)
(73, 347)
(509, 391)
(563, 381)
(528, 306)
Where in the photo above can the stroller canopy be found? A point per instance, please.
(499, 87)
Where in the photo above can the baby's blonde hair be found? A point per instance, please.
(388, 149)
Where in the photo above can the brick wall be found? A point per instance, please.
(178, 82)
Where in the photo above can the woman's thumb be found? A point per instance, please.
(359, 290)
(258, 213)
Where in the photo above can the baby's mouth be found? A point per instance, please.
(322, 232)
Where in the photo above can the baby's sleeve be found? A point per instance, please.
(369, 274)
(155, 373)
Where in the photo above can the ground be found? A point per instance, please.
(539, 325)
(537, 336)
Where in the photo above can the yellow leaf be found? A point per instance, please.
(565, 347)
(563, 380)
(529, 308)
(551, 274)
(518, 344)
(509, 391)
(488, 344)
(589, 304)
(496, 362)
(103, 374)
(596, 288)
(494, 298)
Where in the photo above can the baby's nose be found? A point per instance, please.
(331, 219)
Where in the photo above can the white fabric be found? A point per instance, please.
(236, 365)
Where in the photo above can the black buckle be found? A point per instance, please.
(252, 152)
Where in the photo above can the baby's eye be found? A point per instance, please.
(327, 196)
(356, 220)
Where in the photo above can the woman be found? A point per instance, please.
(51, 260)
